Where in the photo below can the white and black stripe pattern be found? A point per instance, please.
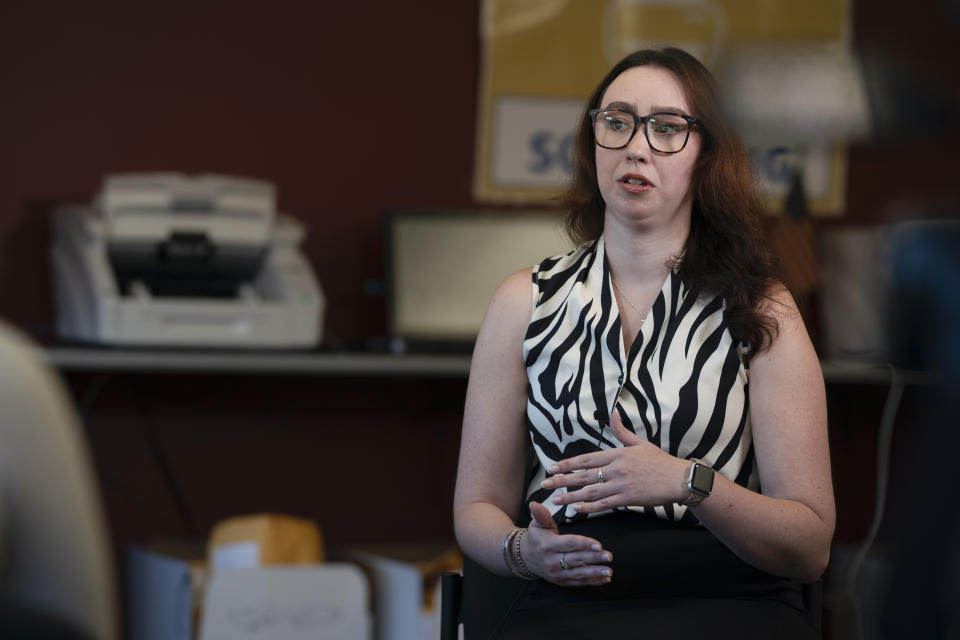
(685, 387)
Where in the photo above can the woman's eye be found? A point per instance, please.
(667, 128)
(619, 123)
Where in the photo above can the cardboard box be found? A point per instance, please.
(164, 589)
(405, 584)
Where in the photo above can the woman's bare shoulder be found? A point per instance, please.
(779, 304)
(515, 287)
(511, 303)
(790, 341)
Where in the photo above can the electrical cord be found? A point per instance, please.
(161, 456)
(884, 440)
(144, 409)
(90, 394)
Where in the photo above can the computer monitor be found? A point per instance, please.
(443, 267)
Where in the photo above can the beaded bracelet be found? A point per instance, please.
(523, 571)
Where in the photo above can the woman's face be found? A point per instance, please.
(638, 183)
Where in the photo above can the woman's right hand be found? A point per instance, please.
(543, 548)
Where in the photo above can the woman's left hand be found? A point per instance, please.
(637, 474)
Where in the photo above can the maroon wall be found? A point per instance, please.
(260, 89)
(265, 89)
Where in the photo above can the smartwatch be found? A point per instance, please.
(699, 482)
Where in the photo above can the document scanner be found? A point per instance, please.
(165, 259)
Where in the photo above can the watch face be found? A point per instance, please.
(702, 480)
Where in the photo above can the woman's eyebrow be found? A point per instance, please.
(660, 108)
(625, 106)
(621, 106)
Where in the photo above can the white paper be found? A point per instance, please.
(328, 602)
(532, 140)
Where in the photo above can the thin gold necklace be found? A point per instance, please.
(625, 298)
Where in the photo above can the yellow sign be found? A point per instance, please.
(542, 58)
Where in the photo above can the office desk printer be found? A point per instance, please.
(170, 260)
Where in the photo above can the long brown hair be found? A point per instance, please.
(725, 253)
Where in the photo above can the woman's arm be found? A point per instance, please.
(785, 531)
(492, 453)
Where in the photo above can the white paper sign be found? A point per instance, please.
(533, 137)
(328, 602)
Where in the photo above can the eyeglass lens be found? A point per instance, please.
(666, 133)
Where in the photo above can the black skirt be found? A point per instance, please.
(669, 579)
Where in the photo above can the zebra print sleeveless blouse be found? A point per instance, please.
(682, 385)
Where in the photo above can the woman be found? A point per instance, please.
(665, 492)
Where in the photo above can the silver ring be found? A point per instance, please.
(563, 563)
(600, 475)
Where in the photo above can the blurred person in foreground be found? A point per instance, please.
(680, 476)
(921, 596)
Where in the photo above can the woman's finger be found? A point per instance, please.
(576, 559)
(593, 582)
(585, 461)
(559, 543)
(578, 478)
(590, 493)
(541, 517)
(574, 574)
(596, 506)
(570, 543)
(621, 433)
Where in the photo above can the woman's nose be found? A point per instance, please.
(639, 149)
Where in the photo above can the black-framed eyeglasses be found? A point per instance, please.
(667, 132)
